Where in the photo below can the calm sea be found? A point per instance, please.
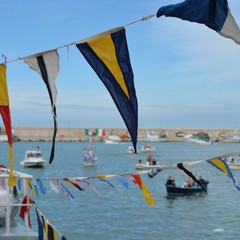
(121, 213)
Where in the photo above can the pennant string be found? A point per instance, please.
(73, 43)
(142, 19)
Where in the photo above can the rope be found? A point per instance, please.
(69, 44)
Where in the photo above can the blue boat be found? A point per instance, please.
(171, 189)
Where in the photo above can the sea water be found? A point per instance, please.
(122, 213)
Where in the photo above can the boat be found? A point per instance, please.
(171, 189)
(229, 137)
(106, 141)
(33, 158)
(200, 138)
(89, 158)
(10, 227)
(148, 164)
(131, 150)
(3, 138)
(149, 137)
(233, 164)
(147, 148)
(187, 188)
(113, 139)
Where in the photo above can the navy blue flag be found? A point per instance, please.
(215, 14)
(107, 53)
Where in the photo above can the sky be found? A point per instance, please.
(186, 75)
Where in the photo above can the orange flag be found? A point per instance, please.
(5, 112)
(137, 180)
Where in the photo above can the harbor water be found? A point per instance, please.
(122, 213)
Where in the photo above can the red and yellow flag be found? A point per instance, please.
(137, 180)
(5, 113)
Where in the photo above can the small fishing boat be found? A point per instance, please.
(147, 148)
(233, 164)
(146, 165)
(89, 158)
(33, 158)
(187, 188)
(183, 190)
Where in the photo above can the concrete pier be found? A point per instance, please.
(78, 134)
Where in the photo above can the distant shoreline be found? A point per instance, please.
(78, 134)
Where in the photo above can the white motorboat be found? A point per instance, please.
(113, 139)
(110, 142)
(229, 137)
(10, 228)
(3, 138)
(147, 148)
(89, 158)
(33, 158)
(149, 137)
(146, 165)
(233, 164)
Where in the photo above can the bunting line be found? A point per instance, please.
(78, 41)
(135, 177)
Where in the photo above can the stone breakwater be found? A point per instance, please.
(78, 134)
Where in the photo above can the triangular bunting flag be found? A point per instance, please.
(215, 14)
(108, 55)
(5, 112)
(47, 65)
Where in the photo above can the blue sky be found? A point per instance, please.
(186, 75)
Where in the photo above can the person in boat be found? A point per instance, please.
(149, 159)
(170, 181)
(203, 181)
(140, 161)
(187, 183)
(154, 162)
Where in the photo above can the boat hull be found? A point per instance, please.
(182, 190)
(234, 166)
(143, 166)
(34, 159)
(89, 163)
(33, 163)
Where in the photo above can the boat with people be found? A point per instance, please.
(233, 163)
(10, 209)
(189, 187)
(89, 158)
(147, 148)
(149, 164)
(182, 190)
(146, 165)
(33, 158)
